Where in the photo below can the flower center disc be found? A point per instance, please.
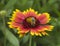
(30, 22)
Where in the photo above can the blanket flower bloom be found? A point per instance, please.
(30, 21)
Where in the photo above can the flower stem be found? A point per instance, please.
(34, 43)
(3, 18)
(30, 40)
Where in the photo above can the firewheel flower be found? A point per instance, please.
(30, 21)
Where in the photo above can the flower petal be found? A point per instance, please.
(18, 14)
(30, 12)
(21, 29)
(18, 20)
(40, 34)
(44, 18)
(21, 34)
(44, 33)
(32, 33)
(49, 27)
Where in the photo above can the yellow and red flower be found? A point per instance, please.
(31, 22)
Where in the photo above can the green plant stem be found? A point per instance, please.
(34, 43)
(3, 18)
(30, 40)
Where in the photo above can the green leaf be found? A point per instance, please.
(51, 1)
(10, 37)
(24, 6)
(36, 5)
(23, 2)
(9, 44)
(10, 4)
(25, 38)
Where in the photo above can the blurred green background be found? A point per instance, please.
(9, 37)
